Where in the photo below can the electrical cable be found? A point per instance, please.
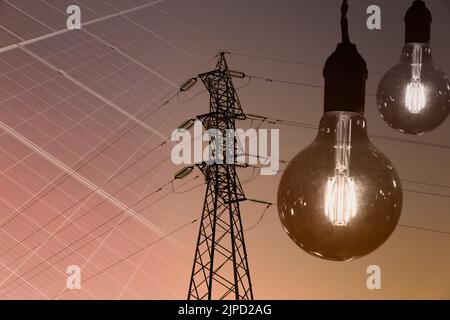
(259, 220)
(148, 246)
(101, 148)
(3, 286)
(269, 204)
(375, 136)
(71, 222)
(285, 61)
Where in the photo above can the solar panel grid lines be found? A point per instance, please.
(88, 73)
(124, 5)
(147, 247)
(100, 97)
(143, 47)
(84, 245)
(165, 12)
(40, 35)
(7, 38)
(80, 203)
(77, 176)
(137, 62)
(68, 221)
(24, 26)
(46, 113)
(97, 125)
(55, 182)
(138, 159)
(40, 13)
(33, 287)
(108, 235)
(113, 253)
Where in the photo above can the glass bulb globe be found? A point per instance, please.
(414, 96)
(340, 198)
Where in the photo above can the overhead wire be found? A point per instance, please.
(259, 57)
(403, 180)
(87, 196)
(91, 156)
(270, 204)
(375, 136)
(21, 277)
(182, 227)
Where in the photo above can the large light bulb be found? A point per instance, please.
(414, 96)
(340, 198)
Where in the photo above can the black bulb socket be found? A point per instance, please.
(345, 74)
(418, 21)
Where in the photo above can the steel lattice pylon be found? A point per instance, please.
(221, 268)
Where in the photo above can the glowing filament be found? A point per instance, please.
(340, 194)
(415, 99)
(340, 200)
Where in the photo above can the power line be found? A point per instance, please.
(86, 235)
(427, 184)
(423, 229)
(82, 163)
(295, 83)
(428, 193)
(260, 219)
(87, 159)
(284, 61)
(79, 202)
(302, 84)
(269, 204)
(98, 205)
(91, 156)
(403, 180)
(135, 253)
(375, 136)
(274, 59)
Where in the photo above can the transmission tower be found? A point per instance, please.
(221, 268)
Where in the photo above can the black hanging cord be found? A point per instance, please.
(345, 74)
(344, 22)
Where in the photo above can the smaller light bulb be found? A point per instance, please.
(414, 96)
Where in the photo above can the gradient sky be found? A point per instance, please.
(186, 34)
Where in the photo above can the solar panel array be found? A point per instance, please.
(78, 108)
